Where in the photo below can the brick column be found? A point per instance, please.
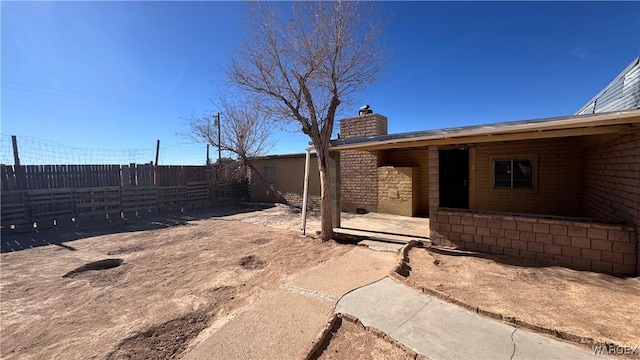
(334, 165)
(434, 197)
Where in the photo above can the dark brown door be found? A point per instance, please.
(454, 178)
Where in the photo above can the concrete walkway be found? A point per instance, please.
(284, 323)
(439, 330)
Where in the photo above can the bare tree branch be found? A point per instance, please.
(300, 68)
(245, 132)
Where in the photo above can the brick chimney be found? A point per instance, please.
(365, 124)
(359, 169)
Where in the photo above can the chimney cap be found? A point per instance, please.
(365, 110)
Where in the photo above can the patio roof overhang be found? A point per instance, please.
(576, 125)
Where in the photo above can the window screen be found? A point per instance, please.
(512, 173)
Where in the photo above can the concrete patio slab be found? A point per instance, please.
(386, 224)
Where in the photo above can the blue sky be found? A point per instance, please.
(119, 75)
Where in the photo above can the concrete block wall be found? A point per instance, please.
(581, 245)
(359, 169)
(584, 245)
(612, 182)
(398, 190)
(415, 158)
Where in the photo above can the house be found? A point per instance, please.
(371, 175)
(564, 190)
(285, 175)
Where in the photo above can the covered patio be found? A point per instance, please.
(561, 190)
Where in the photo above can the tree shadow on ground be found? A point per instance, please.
(61, 235)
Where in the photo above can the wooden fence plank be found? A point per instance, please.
(138, 198)
(15, 209)
(74, 175)
(92, 201)
(4, 178)
(21, 181)
(169, 196)
(197, 191)
(58, 176)
(8, 178)
(50, 204)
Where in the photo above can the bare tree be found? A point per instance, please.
(303, 68)
(245, 131)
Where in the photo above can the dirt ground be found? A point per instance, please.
(587, 304)
(353, 342)
(148, 294)
(171, 284)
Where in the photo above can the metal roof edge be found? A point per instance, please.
(634, 63)
(564, 122)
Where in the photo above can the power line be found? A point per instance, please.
(45, 90)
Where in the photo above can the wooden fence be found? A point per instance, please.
(51, 195)
(32, 177)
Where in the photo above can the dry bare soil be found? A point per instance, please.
(171, 284)
(148, 294)
(353, 342)
(590, 305)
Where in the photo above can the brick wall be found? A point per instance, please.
(582, 245)
(612, 182)
(398, 190)
(416, 158)
(559, 178)
(359, 169)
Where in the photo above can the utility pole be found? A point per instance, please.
(155, 165)
(16, 158)
(157, 152)
(219, 138)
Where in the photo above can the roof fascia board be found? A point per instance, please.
(483, 138)
(576, 122)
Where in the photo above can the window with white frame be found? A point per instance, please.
(270, 174)
(513, 173)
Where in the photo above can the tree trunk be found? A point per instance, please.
(326, 212)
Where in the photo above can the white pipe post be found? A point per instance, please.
(305, 192)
